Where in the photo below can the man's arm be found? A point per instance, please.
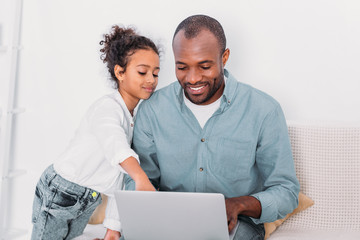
(276, 166)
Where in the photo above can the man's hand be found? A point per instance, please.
(231, 212)
(245, 205)
(110, 235)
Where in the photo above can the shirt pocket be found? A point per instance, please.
(232, 159)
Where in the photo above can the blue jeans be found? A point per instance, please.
(248, 230)
(61, 209)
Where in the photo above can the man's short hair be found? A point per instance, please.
(193, 25)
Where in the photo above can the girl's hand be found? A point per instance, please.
(110, 235)
(132, 167)
(144, 186)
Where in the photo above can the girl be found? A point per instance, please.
(100, 153)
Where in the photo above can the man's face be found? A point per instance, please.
(200, 66)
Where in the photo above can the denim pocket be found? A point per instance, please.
(63, 200)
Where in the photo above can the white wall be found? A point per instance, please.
(305, 53)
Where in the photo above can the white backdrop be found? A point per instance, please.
(306, 54)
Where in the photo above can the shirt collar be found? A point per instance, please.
(121, 101)
(230, 87)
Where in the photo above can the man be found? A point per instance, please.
(209, 133)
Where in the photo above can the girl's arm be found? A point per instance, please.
(142, 183)
(133, 169)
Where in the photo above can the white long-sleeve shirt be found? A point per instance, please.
(101, 143)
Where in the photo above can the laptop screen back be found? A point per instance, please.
(172, 215)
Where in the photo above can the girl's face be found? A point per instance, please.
(140, 77)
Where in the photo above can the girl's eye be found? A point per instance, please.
(155, 75)
(142, 73)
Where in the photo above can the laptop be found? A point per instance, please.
(172, 215)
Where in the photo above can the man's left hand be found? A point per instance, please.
(245, 205)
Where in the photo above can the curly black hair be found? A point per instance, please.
(119, 45)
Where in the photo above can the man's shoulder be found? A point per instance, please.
(255, 98)
(163, 97)
(260, 95)
(245, 92)
(170, 90)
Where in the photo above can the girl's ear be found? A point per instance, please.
(119, 72)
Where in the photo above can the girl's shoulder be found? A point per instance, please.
(108, 104)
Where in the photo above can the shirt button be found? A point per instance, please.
(201, 169)
(203, 140)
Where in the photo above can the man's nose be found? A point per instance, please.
(193, 76)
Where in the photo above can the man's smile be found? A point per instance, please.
(195, 90)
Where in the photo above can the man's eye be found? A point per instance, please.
(155, 75)
(205, 67)
(181, 68)
(142, 73)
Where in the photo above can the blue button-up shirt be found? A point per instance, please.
(243, 149)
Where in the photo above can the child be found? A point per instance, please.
(100, 153)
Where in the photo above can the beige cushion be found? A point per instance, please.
(304, 203)
(99, 214)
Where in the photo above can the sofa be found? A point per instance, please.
(327, 162)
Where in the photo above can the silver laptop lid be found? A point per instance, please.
(172, 215)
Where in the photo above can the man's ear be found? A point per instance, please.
(225, 56)
(119, 72)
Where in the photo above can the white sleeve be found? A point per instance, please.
(106, 123)
(112, 220)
